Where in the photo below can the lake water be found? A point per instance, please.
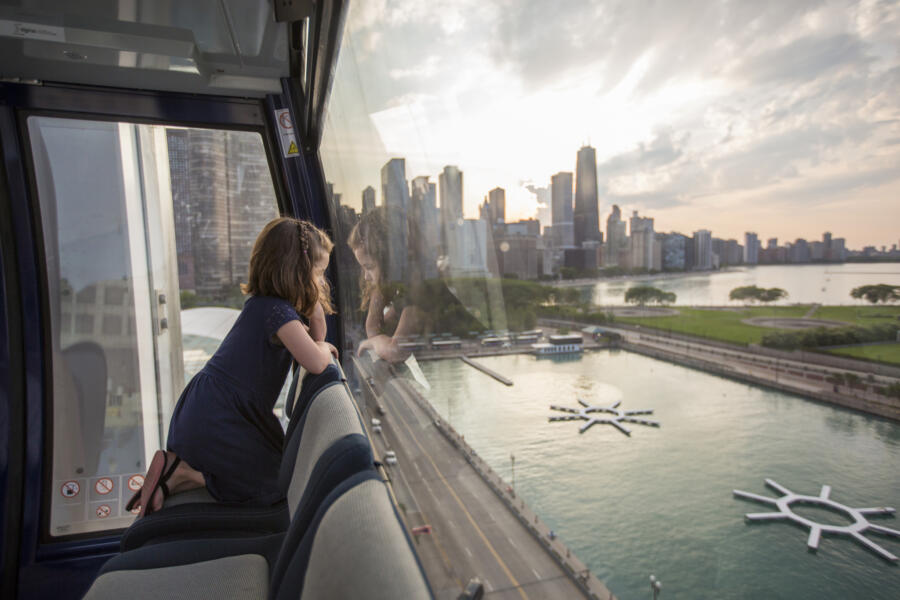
(661, 500)
(824, 284)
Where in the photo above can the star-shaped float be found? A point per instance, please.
(591, 414)
(854, 530)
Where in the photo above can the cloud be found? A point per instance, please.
(806, 59)
(687, 102)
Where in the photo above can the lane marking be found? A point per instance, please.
(481, 534)
(511, 543)
(469, 552)
(536, 574)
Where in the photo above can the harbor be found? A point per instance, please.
(610, 496)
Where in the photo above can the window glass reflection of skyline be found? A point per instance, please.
(699, 120)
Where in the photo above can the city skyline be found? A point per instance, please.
(694, 114)
(565, 213)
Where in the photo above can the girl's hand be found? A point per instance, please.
(329, 347)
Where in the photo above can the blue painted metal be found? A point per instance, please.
(50, 568)
(305, 180)
(9, 502)
(142, 106)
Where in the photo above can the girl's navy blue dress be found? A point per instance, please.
(223, 424)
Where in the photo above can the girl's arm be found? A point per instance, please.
(317, 326)
(387, 347)
(314, 356)
(375, 316)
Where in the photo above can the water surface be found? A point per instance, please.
(660, 501)
(823, 284)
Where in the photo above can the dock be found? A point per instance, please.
(485, 370)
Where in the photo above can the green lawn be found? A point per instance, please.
(887, 353)
(859, 315)
(720, 325)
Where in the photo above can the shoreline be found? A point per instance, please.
(584, 281)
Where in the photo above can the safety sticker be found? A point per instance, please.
(103, 486)
(70, 489)
(135, 482)
(32, 31)
(103, 511)
(286, 133)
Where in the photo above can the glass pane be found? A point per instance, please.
(101, 322)
(628, 206)
(140, 222)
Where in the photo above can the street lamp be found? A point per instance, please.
(655, 586)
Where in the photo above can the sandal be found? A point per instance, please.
(157, 476)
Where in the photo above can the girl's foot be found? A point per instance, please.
(166, 474)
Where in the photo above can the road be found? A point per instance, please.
(473, 532)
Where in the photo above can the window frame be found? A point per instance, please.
(115, 106)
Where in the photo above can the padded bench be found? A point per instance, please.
(196, 514)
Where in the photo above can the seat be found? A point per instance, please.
(195, 514)
(353, 546)
(230, 567)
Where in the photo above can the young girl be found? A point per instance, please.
(390, 313)
(223, 434)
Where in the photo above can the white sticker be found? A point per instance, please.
(32, 31)
(286, 133)
(70, 489)
(135, 482)
(103, 486)
(103, 511)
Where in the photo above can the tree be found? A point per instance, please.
(772, 294)
(642, 294)
(746, 292)
(754, 293)
(881, 292)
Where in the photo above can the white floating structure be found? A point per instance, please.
(588, 412)
(855, 529)
(559, 344)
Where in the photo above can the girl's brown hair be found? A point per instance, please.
(370, 235)
(282, 261)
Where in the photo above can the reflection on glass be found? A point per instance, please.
(724, 210)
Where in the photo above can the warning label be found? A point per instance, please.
(103, 511)
(70, 489)
(103, 486)
(135, 482)
(286, 133)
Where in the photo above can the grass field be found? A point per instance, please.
(859, 315)
(723, 325)
(886, 353)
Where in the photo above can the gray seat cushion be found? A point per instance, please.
(237, 577)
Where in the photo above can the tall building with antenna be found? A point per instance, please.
(587, 210)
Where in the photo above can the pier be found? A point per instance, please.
(485, 370)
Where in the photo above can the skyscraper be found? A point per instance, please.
(450, 183)
(643, 243)
(561, 206)
(424, 226)
(368, 199)
(395, 195)
(497, 202)
(616, 237)
(703, 254)
(751, 248)
(587, 211)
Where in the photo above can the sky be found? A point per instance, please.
(781, 118)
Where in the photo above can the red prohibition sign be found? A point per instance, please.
(284, 119)
(103, 486)
(135, 482)
(103, 511)
(70, 489)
